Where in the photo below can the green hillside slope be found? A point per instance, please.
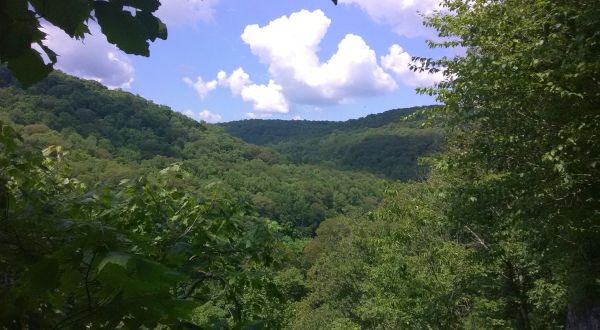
(388, 144)
(113, 135)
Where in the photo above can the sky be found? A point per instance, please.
(228, 60)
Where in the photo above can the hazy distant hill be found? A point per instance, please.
(273, 131)
(387, 143)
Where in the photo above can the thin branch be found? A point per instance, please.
(477, 238)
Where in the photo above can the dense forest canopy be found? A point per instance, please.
(388, 144)
(116, 212)
(274, 131)
(113, 135)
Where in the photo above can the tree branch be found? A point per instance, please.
(477, 238)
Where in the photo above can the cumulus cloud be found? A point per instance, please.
(404, 16)
(236, 81)
(398, 61)
(93, 58)
(202, 87)
(297, 118)
(289, 46)
(186, 12)
(265, 98)
(203, 115)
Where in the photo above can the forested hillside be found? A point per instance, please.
(113, 135)
(505, 232)
(116, 212)
(273, 131)
(388, 144)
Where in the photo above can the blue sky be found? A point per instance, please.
(288, 59)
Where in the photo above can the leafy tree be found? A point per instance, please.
(522, 107)
(20, 27)
(397, 268)
(136, 256)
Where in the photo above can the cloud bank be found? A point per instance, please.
(288, 46)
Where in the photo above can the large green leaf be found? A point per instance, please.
(154, 27)
(29, 67)
(122, 28)
(115, 258)
(69, 15)
(18, 29)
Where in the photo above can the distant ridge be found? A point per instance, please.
(273, 131)
(382, 143)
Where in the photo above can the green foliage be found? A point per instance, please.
(522, 107)
(20, 28)
(387, 144)
(134, 255)
(112, 135)
(502, 234)
(396, 269)
(263, 132)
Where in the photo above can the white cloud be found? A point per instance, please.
(253, 115)
(289, 46)
(236, 81)
(93, 58)
(203, 115)
(297, 118)
(265, 98)
(398, 61)
(201, 87)
(190, 114)
(209, 117)
(404, 16)
(186, 12)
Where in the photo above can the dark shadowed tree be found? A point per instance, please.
(129, 24)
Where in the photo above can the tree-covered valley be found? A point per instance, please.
(480, 212)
